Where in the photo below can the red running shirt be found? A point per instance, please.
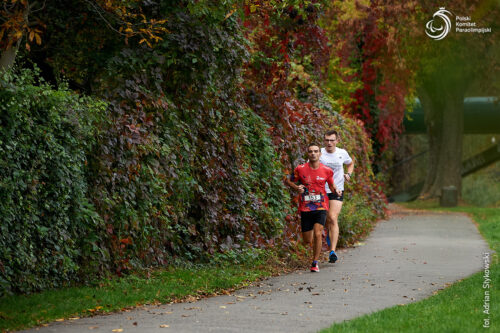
(314, 180)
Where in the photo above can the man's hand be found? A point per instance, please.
(347, 177)
(301, 188)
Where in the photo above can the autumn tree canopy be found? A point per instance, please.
(385, 59)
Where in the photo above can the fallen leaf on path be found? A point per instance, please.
(193, 308)
(93, 327)
(117, 330)
(222, 306)
(134, 323)
(60, 319)
(74, 318)
(164, 326)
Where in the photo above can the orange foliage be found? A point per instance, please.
(21, 21)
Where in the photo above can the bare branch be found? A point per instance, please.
(98, 10)
(42, 7)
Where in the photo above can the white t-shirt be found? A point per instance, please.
(336, 161)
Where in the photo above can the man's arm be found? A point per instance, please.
(296, 187)
(350, 169)
(332, 186)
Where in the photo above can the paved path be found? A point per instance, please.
(405, 259)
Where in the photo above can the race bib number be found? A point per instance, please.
(312, 198)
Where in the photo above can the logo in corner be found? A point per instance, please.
(438, 30)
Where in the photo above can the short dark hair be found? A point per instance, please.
(313, 144)
(331, 132)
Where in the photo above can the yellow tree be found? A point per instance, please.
(21, 22)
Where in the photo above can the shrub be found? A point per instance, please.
(46, 220)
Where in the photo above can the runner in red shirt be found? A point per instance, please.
(313, 202)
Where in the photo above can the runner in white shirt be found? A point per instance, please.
(335, 158)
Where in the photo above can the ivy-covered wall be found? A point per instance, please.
(179, 152)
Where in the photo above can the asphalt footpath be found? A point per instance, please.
(405, 259)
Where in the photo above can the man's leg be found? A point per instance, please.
(312, 224)
(318, 240)
(307, 238)
(332, 224)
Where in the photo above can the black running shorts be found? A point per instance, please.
(308, 219)
(335, 196)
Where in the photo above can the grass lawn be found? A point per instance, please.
(458, 308)
(160, 286)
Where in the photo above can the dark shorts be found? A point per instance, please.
(308, 219)
(334, 196)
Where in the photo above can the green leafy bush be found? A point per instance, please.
(483, 188)
(46, 221)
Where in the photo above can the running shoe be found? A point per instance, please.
(315, 267)
(333, 256)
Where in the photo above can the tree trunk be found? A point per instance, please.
(443, 109)
(8, 57)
